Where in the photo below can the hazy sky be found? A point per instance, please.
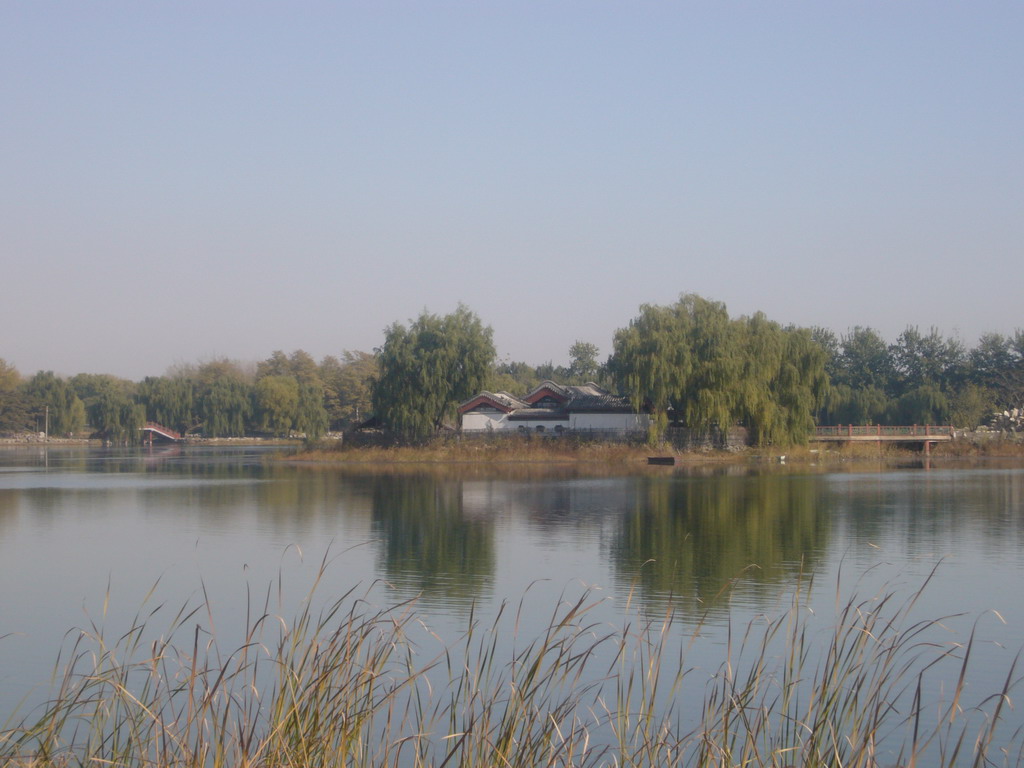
(186, 180)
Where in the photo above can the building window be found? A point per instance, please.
(559, 429)
(540, 428)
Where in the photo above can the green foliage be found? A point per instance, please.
(516, 378)
(970, 406)
(914, 381)
(299, 365)
(14, 404)
(926, 404)
(54, 399)
(709, 372)
(784, 382)
(921, 360)
(846, 405)
(865, 362)
(108, 404)
(347, 387)
(310, 415)
(222, 397)
(997, 364)
(117, 417)
(169, 401)
(277, 404)
(293, 396)
(428, 368)
(584, 365)
(225, 406)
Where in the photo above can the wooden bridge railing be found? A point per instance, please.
(877, 430)
(152, 426)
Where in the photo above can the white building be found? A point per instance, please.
(554, 409)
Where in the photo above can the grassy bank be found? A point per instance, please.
(566, 452)
(346, 685)
(511, 450)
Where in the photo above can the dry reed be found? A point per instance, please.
(344, 686)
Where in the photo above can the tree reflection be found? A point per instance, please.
(429, 544)
(696, 539)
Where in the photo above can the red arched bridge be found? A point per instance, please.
(153, 431)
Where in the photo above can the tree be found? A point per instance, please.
(516, 378)
(712, 372)
(277, 403)
(865, 362)
(428, 368)
(926, 404)
(920, 360)
(310, 415)
(347, 387)
(169, 401)
(225, 407)
(681, 357)
(54, 400)
(584, 364)
(106, 400)
(997, 364)
(783, 382)
(223, 397)
(829, 343)
(846, 405)
(118, 417)
(14, 406)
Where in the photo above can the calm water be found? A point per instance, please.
(86, 535)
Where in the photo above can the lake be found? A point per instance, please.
(92, 537)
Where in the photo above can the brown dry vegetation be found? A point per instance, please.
(560, 454)
(504, 451)
(347, 685)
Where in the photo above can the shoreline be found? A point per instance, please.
(568, 453)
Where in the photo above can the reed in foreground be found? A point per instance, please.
(343, 685)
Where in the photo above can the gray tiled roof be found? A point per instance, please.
(586, 397)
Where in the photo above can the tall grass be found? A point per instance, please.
(345, 685)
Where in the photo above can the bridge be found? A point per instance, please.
(153, 430)
(876, 433)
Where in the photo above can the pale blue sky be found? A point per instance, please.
(186, 180)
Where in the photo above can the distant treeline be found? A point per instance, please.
(689, 363)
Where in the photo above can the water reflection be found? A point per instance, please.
(695, 539)
(429, 543)
(73, 521)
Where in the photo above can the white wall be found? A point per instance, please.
(481, 422)
(604, 422)
(609, 422)
(532, 424)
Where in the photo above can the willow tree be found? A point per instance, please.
(425, 370)
(54, 399)
(169, 401)
(222, 396)
(277, 404)
(308, 413)
(713, 372)
(118, 417)
(651, 362)
(682, 358)
(14, 405)
(783, 381)
(347, 386)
